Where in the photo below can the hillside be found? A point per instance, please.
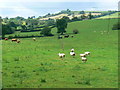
(90, 25)
(70, 16)
(35, 64)
(115, 15)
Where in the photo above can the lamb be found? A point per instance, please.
(72, 50)
(59, 37)
(87, 53)
(61, 55)
(72, 53)
(84, 59)
(14, 40)
(82, 55)
(34, 39)
(18, 41)
(6, 39)
(66, 36)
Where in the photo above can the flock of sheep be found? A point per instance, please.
(17, 40)
(65, 36)
(61, 55)
(72, 53)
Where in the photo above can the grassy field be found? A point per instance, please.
(35, 64)
(115, 15)
(37, 33)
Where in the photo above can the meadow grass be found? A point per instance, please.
(115, 15)
(35, 64)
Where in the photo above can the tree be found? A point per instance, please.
(19, 18)
(82, 12)
(75, 19)
(24, 28)
(12, 24)
(6, 29)
(46, 31)
(61, 25)
(83, 16)
(116, 26)
(50, 22)
(1, 19)
(90, 16)
(66, 18)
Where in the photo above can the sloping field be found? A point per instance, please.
(115, 15)
(35, 64)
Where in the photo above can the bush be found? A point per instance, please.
(46, 31)
(116, 26)
(43, 81)
(10, 37)
(75, 31)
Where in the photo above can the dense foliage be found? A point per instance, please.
(61, 25)
(116, 26)
(46, 31)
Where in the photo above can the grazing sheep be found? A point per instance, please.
(72, 36)
(15, 40)
(61, 55)
(18, 41)
(59, 37)
(82, 55)
(6, 39)
(87, 53)
(72, 50)
(34, 39)
(66, 36)
(84, 59)
(72, 53)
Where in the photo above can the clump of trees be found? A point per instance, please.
(31, 24)
(61, 25)
(46, 31)
(7, 29)
(75, 19)
(116, 26)
(90, 16)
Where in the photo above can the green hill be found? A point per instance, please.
(115, 15)
(35, 64)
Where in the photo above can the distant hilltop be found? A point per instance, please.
(72, 14)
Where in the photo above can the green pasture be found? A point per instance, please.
(115, 15)
(35, 64)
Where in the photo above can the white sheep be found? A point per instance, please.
(87, 53)
(61, 55)
(18, 41)
(82, 55)
(72, 50)
(34, 39)
(72, 53)
(84, 59)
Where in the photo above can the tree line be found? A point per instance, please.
(10, 25)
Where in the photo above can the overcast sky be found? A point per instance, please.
(25, 8)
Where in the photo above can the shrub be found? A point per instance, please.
(10, 37)
(43, 81)
(116, 26)
(46, 31)
(75, 31)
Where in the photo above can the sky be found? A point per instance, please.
(26, 8)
